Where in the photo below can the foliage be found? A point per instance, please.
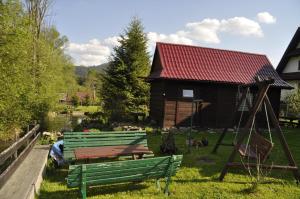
(89, 109)
(47, 140)
(33, 66)
(87, 100)
(93, 83)
(293, 102)
(94, 130)
(124, 91)
(93, 120)
(195, 178)
(75, 100)
(149, 130)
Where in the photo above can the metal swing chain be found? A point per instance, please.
(243, 109)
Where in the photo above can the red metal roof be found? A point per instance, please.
(184, 62)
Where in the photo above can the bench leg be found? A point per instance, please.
(83, 190)
(168, 180)
(83, 181)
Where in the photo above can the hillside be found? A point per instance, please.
(82, 71)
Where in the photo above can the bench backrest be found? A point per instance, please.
(73, 140)
(260, 146)
(123, 171)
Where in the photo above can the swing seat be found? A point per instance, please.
(259, 148)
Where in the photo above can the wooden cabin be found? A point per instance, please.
(181, 74)
(289, 65)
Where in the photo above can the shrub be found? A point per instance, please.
(149, 130)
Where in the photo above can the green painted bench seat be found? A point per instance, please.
(104, 173)
(73, 140)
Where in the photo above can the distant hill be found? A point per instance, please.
(82, 71)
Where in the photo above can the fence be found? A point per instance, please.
(12, 157)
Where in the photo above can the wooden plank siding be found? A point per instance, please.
(169, 113)
(169, 108)
(226, 102)
(157, 102)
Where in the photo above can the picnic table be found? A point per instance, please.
(75, 140)
(136, 151)
(290, 121)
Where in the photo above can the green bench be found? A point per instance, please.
(73, 140)
(123, 171)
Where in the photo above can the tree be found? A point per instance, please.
(124, 91)
(33, 69)
(93, 82)
(293, 102)
(14, 67)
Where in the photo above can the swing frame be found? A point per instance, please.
(263, 86)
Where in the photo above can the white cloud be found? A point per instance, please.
(204, 31)
(241, 26)
(208, 30)
(112, 41)
(265, 17)
(91, 53)
(177, 37)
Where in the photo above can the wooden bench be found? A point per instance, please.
(85, 175)
(73, 140)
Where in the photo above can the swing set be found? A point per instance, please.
(257, 147)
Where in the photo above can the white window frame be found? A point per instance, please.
(188, 93)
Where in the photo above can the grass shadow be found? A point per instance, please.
(116, 188)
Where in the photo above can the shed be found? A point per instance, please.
(183, 73)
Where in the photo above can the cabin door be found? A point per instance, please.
(185, 112)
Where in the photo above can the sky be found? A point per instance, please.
(258, 26)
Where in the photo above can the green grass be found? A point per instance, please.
(195, 179)
(90, 109)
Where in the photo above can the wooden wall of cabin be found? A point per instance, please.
(157, 101)
(225, 105)
(218, 104)
(169, 108)
(274, 97)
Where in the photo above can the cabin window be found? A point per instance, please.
(187, 93)
(244, 106)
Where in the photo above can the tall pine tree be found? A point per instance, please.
(124, 90)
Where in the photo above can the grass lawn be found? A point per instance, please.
(196, 178)
(90, 109)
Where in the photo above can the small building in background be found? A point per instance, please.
(84, 97)
(289, 65)
(182, 73)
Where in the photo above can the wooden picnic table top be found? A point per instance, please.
(110, 151)
(289, 118)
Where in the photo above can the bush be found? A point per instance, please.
(94, 130)
(75, 100)
(293, 102)
(149, 130)
(118, 128)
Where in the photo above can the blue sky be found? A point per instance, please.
(259, 26)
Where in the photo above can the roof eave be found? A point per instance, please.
(217, 82)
